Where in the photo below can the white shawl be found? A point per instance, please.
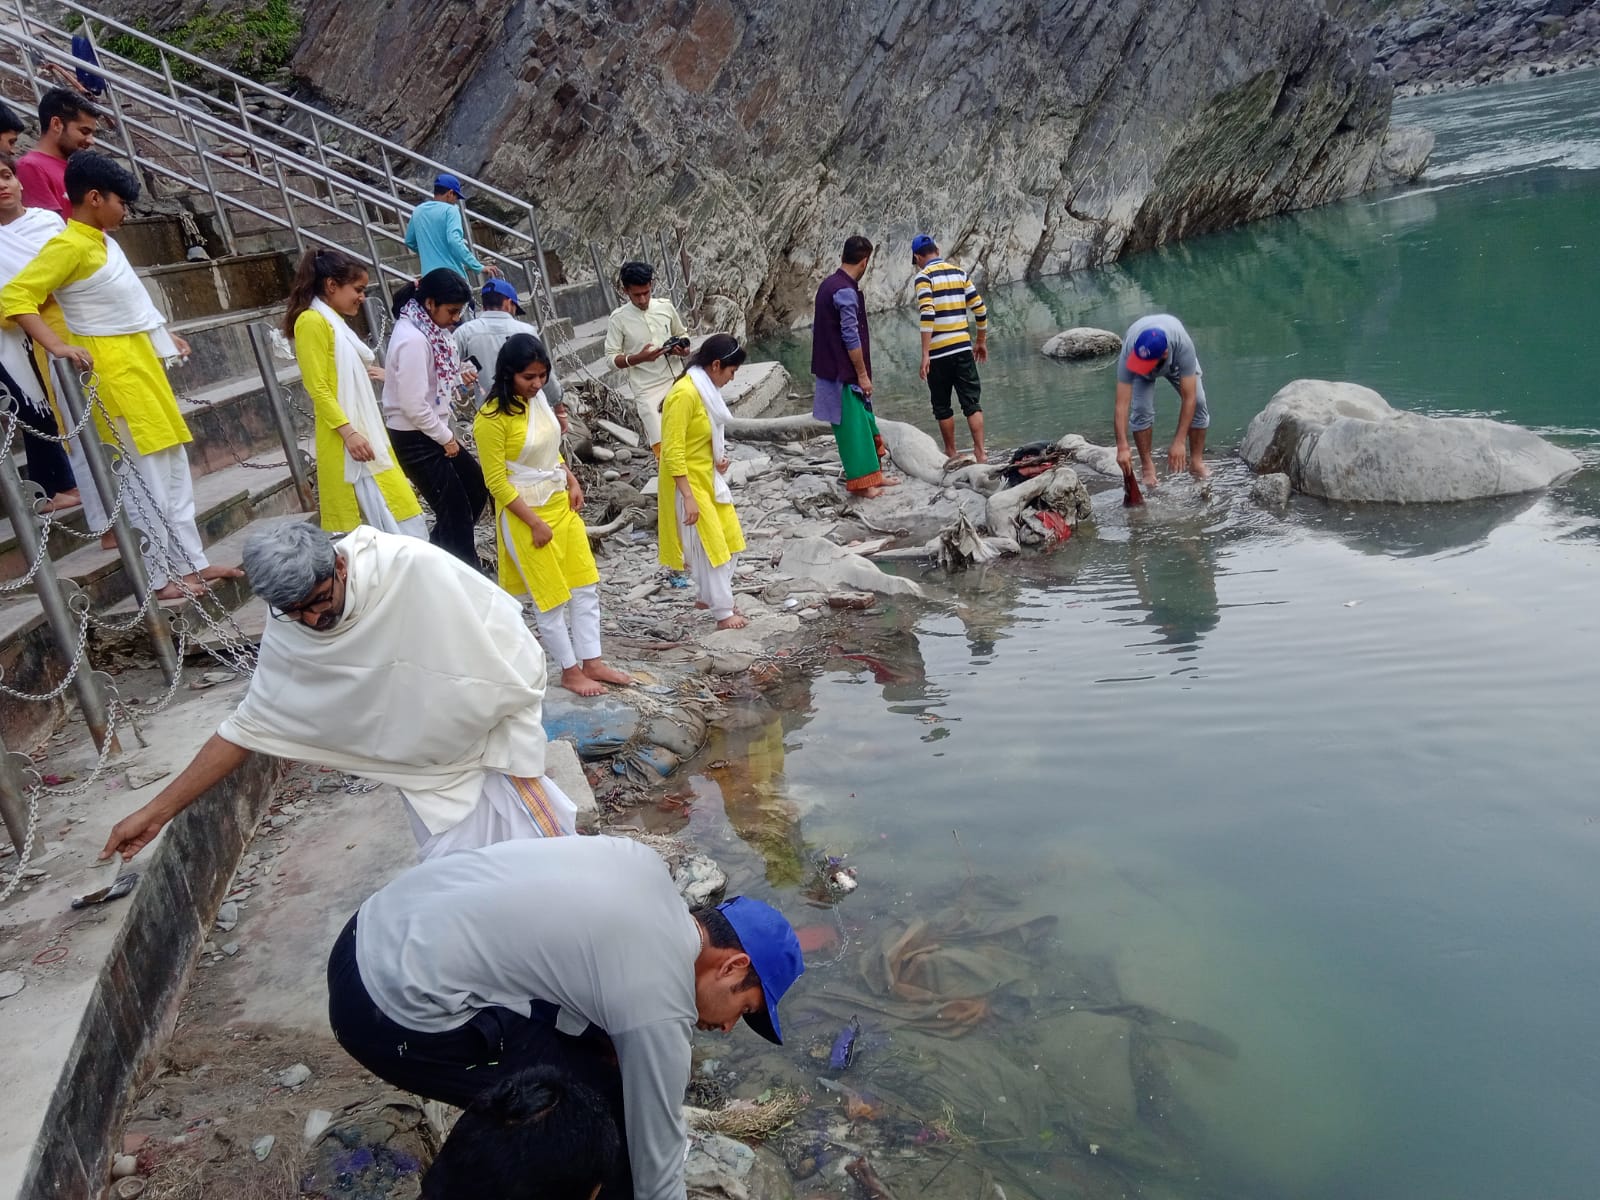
(114, 301)
(536, 472)
(429, 681)
(20, 243)
(351, 358)
(717, 410)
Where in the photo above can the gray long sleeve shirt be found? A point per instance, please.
(593, 925)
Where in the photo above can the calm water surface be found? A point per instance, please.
(1322, 784)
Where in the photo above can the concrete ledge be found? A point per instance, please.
(93, 1031)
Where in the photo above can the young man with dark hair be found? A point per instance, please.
(950, 356)
(67, 124)
(11, 128)
(538, 1135)
(438, 235)
(116, 332)
(482, 337)
(574, 953)
(841, 362)
(639, 333)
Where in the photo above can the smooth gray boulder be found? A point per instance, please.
(1082, 342)
(1341, 441)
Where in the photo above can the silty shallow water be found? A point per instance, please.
(1321, 785)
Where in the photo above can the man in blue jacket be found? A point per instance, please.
(437, 234)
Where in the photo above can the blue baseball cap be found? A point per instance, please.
(499, 287)
(1149, 348)
(922, 243)
(448, 183)
(774, 950)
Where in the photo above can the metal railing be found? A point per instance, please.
(363, 175)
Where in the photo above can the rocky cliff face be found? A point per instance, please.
(1029, 136)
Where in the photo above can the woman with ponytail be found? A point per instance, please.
(423, 377)
(696, 522)
(544, 547)
(358, 482)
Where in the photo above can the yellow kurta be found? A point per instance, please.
(549, 573)
(132, 384)
(686, 450)
(339, 512)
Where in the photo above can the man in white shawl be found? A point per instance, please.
(392, 660)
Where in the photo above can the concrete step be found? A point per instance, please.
(187, 291)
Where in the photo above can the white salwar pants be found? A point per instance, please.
(170, 529)
(713, 584)
(583, 641)
(375, 511)
(94, 509)
(502, 814)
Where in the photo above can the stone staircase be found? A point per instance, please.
(237, 459)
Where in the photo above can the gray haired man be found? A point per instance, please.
(390, 659)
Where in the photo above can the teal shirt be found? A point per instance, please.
(436, 234)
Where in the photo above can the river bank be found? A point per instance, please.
(1446, 44)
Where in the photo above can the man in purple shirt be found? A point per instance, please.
(841, 361)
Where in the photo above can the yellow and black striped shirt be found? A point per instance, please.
(944, 293)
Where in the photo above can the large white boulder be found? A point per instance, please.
(1082, 342)
(1342, 441)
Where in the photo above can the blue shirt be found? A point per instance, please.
(436, 234)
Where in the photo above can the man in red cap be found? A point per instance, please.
(1159, 345)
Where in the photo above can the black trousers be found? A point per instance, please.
(954, 373)
(48, 465)
(453, 488)
(460, 1065)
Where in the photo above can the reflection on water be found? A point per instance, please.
(1223, 852)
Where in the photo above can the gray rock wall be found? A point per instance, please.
(1435, 44)
(1031, 137)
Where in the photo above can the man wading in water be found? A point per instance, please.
(1160, 345)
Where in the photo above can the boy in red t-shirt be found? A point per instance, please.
(67, 122)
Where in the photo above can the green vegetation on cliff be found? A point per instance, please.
(256, 41)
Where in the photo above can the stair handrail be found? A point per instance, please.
(243, 84)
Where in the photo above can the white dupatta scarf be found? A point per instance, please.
(113, 301)
(351, 358)
(717, 410)
(20, 243)
(429, 682)
(536, 472)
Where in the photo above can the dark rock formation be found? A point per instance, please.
(1030, 136)
(1448, 43)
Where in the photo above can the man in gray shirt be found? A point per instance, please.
(1160, 345)
(482, 337)
(575, 953)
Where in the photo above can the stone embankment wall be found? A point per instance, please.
(1030, 136)
(1449, 43)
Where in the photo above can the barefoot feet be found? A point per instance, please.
(737, 621)
(600, 671)
(62, 501)
(209, 573)
(574, 680)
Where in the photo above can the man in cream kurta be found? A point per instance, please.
(391, 660)
(636, 342)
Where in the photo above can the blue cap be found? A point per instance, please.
(499, 287)
(448, 183)
(1149, 348)
(922, 243)
(774, 950)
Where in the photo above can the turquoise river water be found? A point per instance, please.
(1319, 789)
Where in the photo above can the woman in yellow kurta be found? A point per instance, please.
(696, 523)
(119, 335)
(544, 547)
(358, 481)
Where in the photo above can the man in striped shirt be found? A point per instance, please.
(950, 355)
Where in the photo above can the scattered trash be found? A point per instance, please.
(262, 1147)
(858, 1106)
(124, 1165)
(291, 1077)
(1132, 497)
(872, 1187)
(317, 1120)
(11, 982)
(844, 1046)
(128, 1188)
(119, 887)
